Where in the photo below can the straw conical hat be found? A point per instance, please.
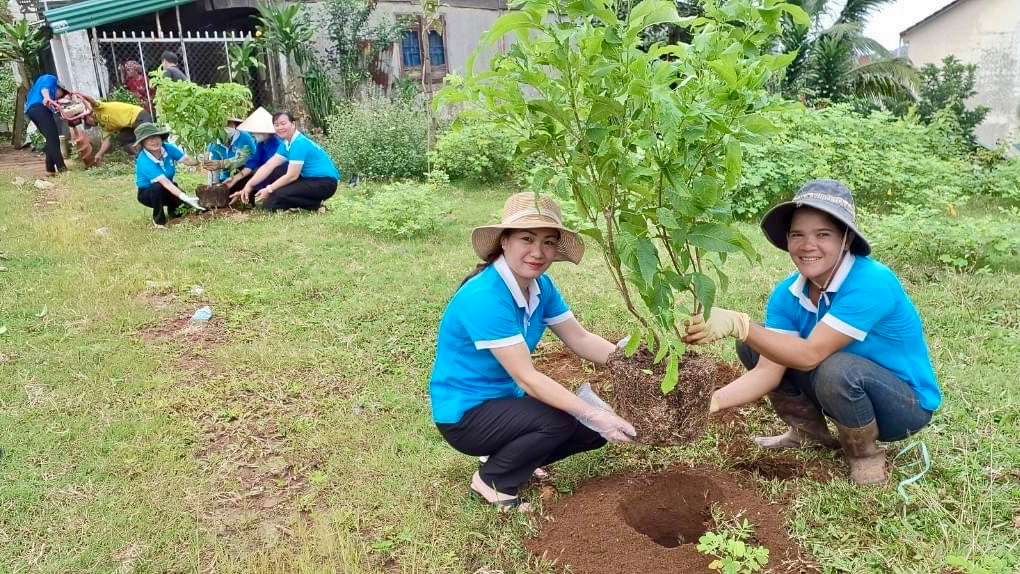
(259, 122)
(528, 210)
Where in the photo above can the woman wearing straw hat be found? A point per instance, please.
(841, 338)
(225, 158)
(155, 168)
(310, 179)
(488, 400)
(260, 125)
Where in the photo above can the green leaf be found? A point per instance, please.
(713, 237)
(704, 291)
(725, 70)
(663, 349)
(651, 12)
(672, 374)
(732, 162)
(647, 258)
(512, 22)
(799, 16)
(595, 233)
(634, 343)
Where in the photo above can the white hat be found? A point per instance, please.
(259, 122)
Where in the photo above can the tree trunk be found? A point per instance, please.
(18, 136)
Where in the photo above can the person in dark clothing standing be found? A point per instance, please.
(170, 67)
(38, 107)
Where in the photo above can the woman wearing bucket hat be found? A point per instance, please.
(310, 179)
(225, 158)
(841, 338)
(260, 125)
(488, 400)
(155, 168)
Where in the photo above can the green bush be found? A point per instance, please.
(884, 160)
(476, 151)
(378, 139)
(122, 94)
(395, 210)
(1003, 180)
(925, 237)
(8, 94)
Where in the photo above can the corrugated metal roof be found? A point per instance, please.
(92, 13)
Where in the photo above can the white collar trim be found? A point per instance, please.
(158, 162)
(297, 134)
(507, 275)
(797, 287)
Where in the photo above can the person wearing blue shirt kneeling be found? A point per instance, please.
(39, 108)
(488, 400)
(226, 158)
(841, 338)
(260, 125)
(311, 177)
(155, 168)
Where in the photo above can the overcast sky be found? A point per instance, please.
(886, 24)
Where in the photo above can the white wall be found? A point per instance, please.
(986, 33)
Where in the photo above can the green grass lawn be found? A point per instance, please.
(294, 432)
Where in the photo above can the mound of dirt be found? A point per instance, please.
(213, 196)
(651, 524)
(633, 388)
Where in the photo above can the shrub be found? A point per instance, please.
(926, 237)
(884, 160)
(476, 150)
(396, 210)
(378, 138)
(8, 94)
(122, 94)
(1003, 180)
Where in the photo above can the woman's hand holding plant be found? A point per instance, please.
(721, 323)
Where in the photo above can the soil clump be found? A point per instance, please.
(651, 524)
(213, 196)
(633, 388)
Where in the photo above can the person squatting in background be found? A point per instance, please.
(310, 179)
(260, 125)
(225, 158)
(155, 168)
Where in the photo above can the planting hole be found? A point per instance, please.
(670, 512)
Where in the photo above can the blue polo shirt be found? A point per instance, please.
(314, 162)
(148, 169)
(488, 312)
(45, 81)
(865, 302)
(264, 150)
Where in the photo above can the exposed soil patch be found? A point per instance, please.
(632, 388)
(202, 334)
(22, 162)
(650, 524)
(201, 217)
(564, 367)
(213, 196)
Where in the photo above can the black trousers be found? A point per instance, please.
(305, 193)
(157, 197)
(126, 136)
(46, 123)
(518, 435)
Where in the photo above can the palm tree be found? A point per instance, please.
(837, 62)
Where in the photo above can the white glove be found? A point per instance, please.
(192, 201)
(623, 342)
(611, 427)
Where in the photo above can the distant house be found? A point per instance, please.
(982, 32)
(451, 43)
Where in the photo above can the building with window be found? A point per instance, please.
(451, 42)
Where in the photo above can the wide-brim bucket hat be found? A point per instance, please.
(826, 195)
(259, 122)
(528, 210)
(146, 130)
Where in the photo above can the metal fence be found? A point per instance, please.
(204, 59)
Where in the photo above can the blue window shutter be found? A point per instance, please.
(436, 52)
(411, 49)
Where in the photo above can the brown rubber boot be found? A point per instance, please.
(867, 461)
(807, 424)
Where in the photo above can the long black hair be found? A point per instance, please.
(488, 260)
